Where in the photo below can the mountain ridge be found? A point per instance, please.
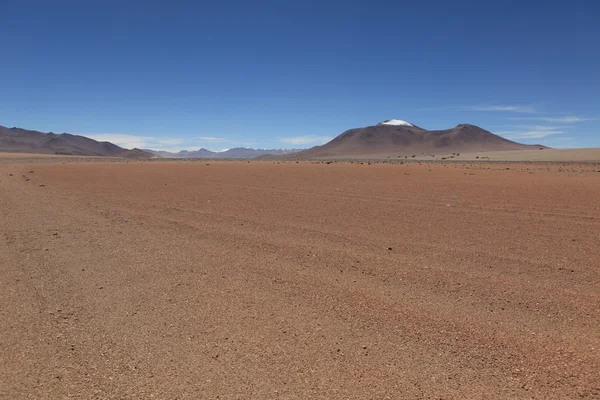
(19, 140)
(236, 152)
(404, 138)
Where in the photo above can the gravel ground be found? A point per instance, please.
(267, 280)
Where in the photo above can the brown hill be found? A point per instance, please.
(18, 140)
(136, 154)
(385, 140)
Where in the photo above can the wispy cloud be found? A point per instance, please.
(306, 139)
(534, 132)
(212, 139)
(509, 108)
(141, 142)
(170, 141)
(570, 119)
(126, 141)
(486, 107)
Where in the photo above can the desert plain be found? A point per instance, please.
(299, 280)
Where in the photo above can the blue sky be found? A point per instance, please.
(220, 74)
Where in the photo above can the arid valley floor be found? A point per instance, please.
(264, 280)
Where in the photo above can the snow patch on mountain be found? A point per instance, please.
(395, 122)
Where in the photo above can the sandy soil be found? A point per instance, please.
(562, 155)
(558, 155)
(37, 155)
(259, 280)
(545, 155)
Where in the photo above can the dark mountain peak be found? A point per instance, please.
(19, 140)
(398, 137)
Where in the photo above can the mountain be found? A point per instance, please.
(398, 137)
(201, 153)
(136, 153)
(243, 152)
(18, 140)
(238, 152)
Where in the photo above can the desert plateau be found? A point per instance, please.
(297, 280)
(292, 200)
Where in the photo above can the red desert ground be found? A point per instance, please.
(470, 270)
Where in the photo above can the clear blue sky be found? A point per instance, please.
(219, 74)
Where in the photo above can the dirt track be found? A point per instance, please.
(257, 280)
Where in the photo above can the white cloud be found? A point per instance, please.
(141, 142)
(212, 139)
(517, 109)
(306, 139)
(533, 132)
(529, 135)
(570, 119)
(485, 107)
(126, 141)
(170, 141)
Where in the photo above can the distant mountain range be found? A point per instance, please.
(18, 140)
(394, 138)
(390, 138)
(238, 152)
